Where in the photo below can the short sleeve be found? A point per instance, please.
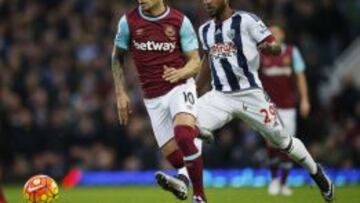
(298, 61)
(188, 37)
(123, 34)
(256, 28)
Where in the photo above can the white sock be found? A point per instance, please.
(300, 155)
(183, 170)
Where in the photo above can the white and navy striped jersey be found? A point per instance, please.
(232, 49)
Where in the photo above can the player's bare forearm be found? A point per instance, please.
(117, 67)
(190, 69)
(302, 86)
(192, 66)
(303, 94)
(122, 98)
(204, 76)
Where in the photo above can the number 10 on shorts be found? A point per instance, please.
(189, 97)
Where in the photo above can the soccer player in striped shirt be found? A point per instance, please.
(232, 40)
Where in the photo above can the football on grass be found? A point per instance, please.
(40, 189)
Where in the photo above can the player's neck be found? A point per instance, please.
(156, 10)
(227, 13)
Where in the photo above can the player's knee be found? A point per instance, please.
(184, 136)
(279, 138)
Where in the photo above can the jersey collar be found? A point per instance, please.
(154, 18)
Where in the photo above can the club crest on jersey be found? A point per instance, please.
(223, 50)
(170, 32)
(139, 31)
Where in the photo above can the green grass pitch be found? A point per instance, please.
(215, 195)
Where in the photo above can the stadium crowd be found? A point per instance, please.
(57, 105)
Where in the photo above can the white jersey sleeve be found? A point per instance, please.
(256, 28)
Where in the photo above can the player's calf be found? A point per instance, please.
(184, 136)
(292, 146)
(176, 159)
(298, 152)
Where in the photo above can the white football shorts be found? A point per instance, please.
(253, 106)
(163, 109)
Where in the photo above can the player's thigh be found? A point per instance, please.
(161, 120)
(288, 117)
(214, 111)
(182, 100)
(260, 113)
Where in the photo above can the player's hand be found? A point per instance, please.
(304, 108)
(124, 108)
(269, 48)
(173, 75)
(265, 48)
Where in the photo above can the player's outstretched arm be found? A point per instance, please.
(191, 68)
(122, 98)
(266, 42)
(204, 76)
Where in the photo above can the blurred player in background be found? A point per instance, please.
(231, 40)
(164, 46)
(2, 196)
(282, 77)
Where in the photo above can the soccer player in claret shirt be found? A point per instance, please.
(232, 41)
(282, 77)
(164, 47)
(2, 196)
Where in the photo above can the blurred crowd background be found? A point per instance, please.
(57, 105)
